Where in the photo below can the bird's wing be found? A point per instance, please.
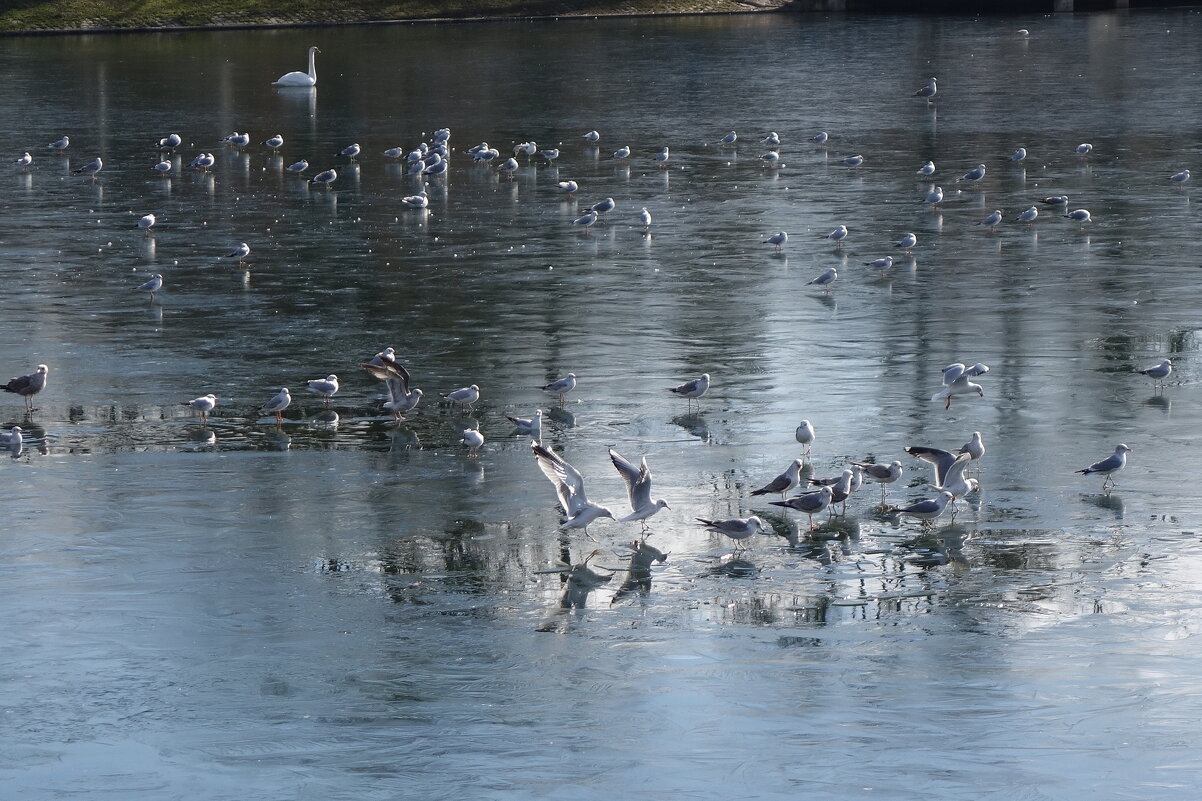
(954, 472)
(977, 369)
(686, 387)
(952, 372)
(569, 484)
(632, 476)
(942, 460)
(1111, 462)
(388, 370)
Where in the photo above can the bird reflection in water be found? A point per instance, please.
(734, 565)
(935, 548)
(638, 574)
(1107, 501)
(579, 582)
(694, 424)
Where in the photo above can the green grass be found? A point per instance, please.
(49, 15)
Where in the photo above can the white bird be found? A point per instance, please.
(1080, 215)
(1028, 216)
(237, 139)
(419, 201)
(203, 161)
(770, 159)
(473, 439)
(692, 389)
(275, 142)
(529, 425)
(934, 197)
(1084, 148)
(164, 167)
(325, 178)
(437, 168)
(949, 469)
(170, 142)
(301, 78)
(350, 151)
(509, 165)
(91, 168)
(550, 154)
(927, 91)
(569, 488)
(561, 386)
(661, 158)
(804, 434)
(883, 474)
(778, 239)
(956, 382)
(147, 222)
(926, 169)
(883, 263)
(1055, 200)
(153, 285)
(772, 139)
(927, 510)
(784, 482)
(385, 367)
(838, 235)
(586, 220)
(525, 148)
(1109, 466)
(809, 503)
(591, 136)
(604, 206)
(975, 447)
(975, 174)
(822, 137)
(13, 439)
(729, 139)
(622, 153)
(1019, 155)
(1160, 372)
(993, 219)
(24, 161)
(28, 385)
(464, 395)
(737, 528)
(1180, 177)
(60, 144)
(277, 405)
(638, 489)
(298, 166)
(907, 242)
(568, 187)
(853, 161)
(204, 404)
(826, 279)
(240, 253)
(397, 152)
(645, 218)
(326, 387)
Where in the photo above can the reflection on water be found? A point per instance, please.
(345, 606)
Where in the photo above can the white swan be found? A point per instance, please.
(301, 78)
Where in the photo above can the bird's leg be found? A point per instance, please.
(948, 405)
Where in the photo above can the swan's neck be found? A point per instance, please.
(313, 65)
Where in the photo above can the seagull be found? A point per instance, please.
(509, 165)
(975, 174)
(1109, 466)
(529, 425)
(826, 279)
(396, 152)
(325, 177)
(622, 153)
(28, 385)
(805, 435)
(927, 510)
(473, 439)
(550, 154)
(1055, 200)
(926, 169)
(729, 139)
(1028, 216)
(993, 219)
(587, 220)
(1019, 155)
(419, 201)
(326, 387)
(934, 197)
(569, 488)
(772, 139)
(604, 206)
(240, 252)
(147, 222)
(778, 239)
(91, 168)
(385, 367)
(1084, 148)
(238, 139)
(883, 263)
(1159, 373)
(645, 218)
(60, 144)
(1080, 215)
(24, 161)
(13, 439)
(638, 488)
(927, 91)
(853, 161)
(737, 528)
(275, 142)
(771, 158)
(525, 148)
(591, 136)
(163, 166)
(203, 161)
(1180, 177)
(350, 151)
(949, 469)
(811, 503)
(955, 382)
(692, 389)
(278, 404)
(822, 137)
(568, 187)
(153, 285)
(838, 235)
(975, 447)
(881, 473)
(784, 482)
(561, 386)
(204, 404)
(465, 395)
(907, 242)
(661, 158)
(842, 486)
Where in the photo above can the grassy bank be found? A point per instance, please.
(32, 15)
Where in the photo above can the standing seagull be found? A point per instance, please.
(881, 473)
(569, 488)
(240, 253)
(784, 482)
(24, 161)
(907, 242)
(737, 528)
(91, 168)
(204, 404)
(778, 239)
(927, 510)
(927, 91)
(153, 285)
(838, 235)
(465, 395)
(811, 503)
(325, 178)
(1028, 216)
(1109, 466)
(60, 144)
(805, 435)
(692, 389)
(146, 223)
(638, 488)
(529, 425)
(1179, 178)
(561, 386)
(275, 142)
(473, 439)
(1159, 373)
(826, 279)
(278, 404)
(325, 387)
(975, 174)
(28, 385)
(992, 219)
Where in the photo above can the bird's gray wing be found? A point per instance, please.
(953, 372)
(942, 460)
(569, 484)
(955, 471)
(631, 475)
